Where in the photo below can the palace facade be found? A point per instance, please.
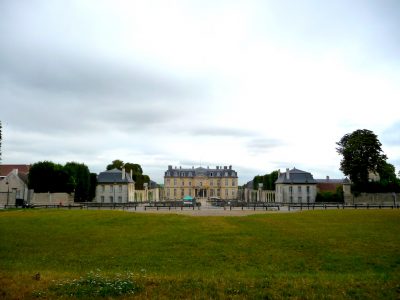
(201, 183)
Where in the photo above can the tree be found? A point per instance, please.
(362, 153)
(268, 181)
(92, 186)
(79, 180)
(116, 164)
(47, 176)
(137, 172)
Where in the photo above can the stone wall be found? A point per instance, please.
(51, 199)
(372, 198)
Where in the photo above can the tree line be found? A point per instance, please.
(47, 176)
(73, 177)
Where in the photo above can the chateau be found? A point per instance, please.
(201, 183)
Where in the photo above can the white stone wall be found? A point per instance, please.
(15, 186)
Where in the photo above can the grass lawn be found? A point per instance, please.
(334, 254)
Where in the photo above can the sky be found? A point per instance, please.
(259, 85)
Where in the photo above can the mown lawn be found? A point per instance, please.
(351, 254)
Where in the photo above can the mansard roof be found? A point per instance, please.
(114, 176)
(200, 171)
(296, 176)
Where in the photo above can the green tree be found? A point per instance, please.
(116, 164)
(79, 180)
(362, 153)
(137, 172)
(268, 181)
(47, 176)
(92, 186)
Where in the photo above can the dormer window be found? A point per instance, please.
(226, 174)
(218, 174)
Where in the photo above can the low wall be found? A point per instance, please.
(373, 198)
(51, 198)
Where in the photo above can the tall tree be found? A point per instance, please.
(116, 164)
(79, 180)
(47, 176)
(92, 188)
(362, 153)
(268, 181)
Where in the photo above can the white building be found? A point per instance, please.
(115, 186)
(295, 186)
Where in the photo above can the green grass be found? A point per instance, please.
(350, 254)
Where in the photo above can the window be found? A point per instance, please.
(212, 182)
(218, 174)
(120, 199)
(299, 189)
(212, 193)
(308, 189)
(211, 174)
(168, 193)
(174, 192)
(190, 183)
(102, 198)
(219, 182)
(290, 190)
(182, 193)
(111, 199)
(300, 199)
(103, 188)
(183, 183)
(201, 183)
(168, 174)
(168, 181)
(233, 182)
(190, 174)
(233, 194)
(226, 174)
(175, 174)
(226, 182)
(226, 193)
(190, 192)
(120, 188)
(111, 188)
(182, 174)
(218, 192)
(174, 181)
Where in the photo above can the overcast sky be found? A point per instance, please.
(259, 85)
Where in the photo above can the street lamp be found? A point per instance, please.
(8, 191)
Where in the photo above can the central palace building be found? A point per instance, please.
(201, 183)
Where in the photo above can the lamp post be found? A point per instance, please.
(8, 191)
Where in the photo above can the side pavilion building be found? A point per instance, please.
(115, 186)
(295, 186)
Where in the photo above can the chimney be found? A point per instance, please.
(225, 167)
(287, 174)
(230, 167)
(217, 167)
(123, 173)
(279, 173)
(169, 167)
(131, 173)
(15, 171)
(327, 178)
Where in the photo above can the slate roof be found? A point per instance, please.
(296, 177)
(114, 175)
(184, 172)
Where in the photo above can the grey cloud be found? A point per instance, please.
(259, 145)
(221, 131)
